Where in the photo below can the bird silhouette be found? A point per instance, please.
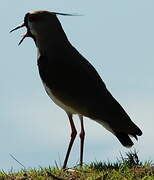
(73, 83)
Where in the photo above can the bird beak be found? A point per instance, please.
(18, 27)
(23, 36)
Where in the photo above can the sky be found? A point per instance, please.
(117, 37)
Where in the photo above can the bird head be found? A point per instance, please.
(40, 23)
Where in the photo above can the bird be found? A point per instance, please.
(72, 82)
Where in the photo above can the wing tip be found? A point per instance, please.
(124, 139)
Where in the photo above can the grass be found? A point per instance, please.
(126, 168)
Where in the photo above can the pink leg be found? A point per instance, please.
(82, 136)
(73, 135)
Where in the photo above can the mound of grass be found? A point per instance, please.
(126, 168)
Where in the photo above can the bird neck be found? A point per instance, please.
(52, 41)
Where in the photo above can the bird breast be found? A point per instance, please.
(58, 102)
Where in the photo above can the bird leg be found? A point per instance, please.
(82, 136)
(73, 135)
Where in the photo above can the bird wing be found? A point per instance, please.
(72, 79)
(76, 83)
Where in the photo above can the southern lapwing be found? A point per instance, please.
(73, 83)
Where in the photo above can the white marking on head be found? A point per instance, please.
(30, 25)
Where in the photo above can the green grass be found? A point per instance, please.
(126, 168)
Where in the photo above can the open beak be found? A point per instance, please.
(18, 27)
(23, 36)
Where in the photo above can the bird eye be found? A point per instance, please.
(33, 17)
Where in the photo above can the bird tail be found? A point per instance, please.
(123, 137)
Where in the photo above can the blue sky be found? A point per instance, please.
(117, 37)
